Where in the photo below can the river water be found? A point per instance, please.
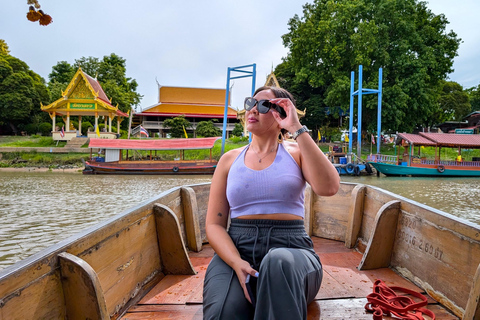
(38, 209)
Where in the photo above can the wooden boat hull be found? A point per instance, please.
(151, 167)
(109, 267)
(426, 170)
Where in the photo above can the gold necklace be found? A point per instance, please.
(260, 159)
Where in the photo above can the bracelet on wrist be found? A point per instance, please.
(299, 132)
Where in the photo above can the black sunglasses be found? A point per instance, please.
(263, 106)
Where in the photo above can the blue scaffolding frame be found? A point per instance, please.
(246, 74)
(360, 92)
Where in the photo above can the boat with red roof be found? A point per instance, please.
(116, 161)
(409, 164)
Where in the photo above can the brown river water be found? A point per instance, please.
(38, 209)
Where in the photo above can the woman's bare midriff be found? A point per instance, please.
(273, 216)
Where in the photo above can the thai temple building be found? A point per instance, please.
(84, 96)
(196, 104)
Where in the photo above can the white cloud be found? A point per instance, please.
(188, 43)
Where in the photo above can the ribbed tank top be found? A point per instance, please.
(278, 188)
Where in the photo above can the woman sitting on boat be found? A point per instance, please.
(261, 187)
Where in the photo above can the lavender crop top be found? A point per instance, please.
(278, 188)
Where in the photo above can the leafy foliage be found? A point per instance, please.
(21, 92)
(4, 47)
(208, 129)
(110, 72)
(403, 37)
(176, 126)
(453, 102)
(474, 98)
(238, 130)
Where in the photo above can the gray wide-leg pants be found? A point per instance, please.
(290, 273)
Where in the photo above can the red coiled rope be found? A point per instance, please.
(384, 301)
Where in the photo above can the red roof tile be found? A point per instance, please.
(97, 88)
(416, 139)
(154, 144)
(196, 115)
(454, 140)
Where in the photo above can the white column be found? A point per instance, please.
(53, 121)
(109, 123)
(80, 124)
(67, 129)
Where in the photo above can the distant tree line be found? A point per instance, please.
(403, 37)
(330, 39)
(22, 90)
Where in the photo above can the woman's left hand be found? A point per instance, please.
(290, 122)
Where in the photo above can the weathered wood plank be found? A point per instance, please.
(202, 192)
(342, 267)
(82, 290)
(179, 289)
(472, 311)
(126, 261)
(355, 309)
(421, 243)
(192, 222)
(308, 200)
(331, 214)
(162, 312)
(41, 299)
(174, 256)
(355, 215)
(380, 244)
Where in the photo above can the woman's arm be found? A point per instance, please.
(316, 168)
(217, 219)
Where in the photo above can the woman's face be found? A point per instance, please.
(258, 122)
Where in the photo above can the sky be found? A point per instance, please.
(190, 43)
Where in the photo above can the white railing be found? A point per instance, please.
(382, 158)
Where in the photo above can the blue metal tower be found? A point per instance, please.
(246, 73)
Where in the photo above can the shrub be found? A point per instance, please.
(238, 130)
(45, 128)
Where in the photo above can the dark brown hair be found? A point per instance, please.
(278, 93)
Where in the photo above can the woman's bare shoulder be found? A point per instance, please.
(227, 159)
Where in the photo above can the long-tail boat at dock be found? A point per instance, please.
(115, 163)
(415, 165)
(149, 262)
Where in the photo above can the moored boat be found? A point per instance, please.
(114, 163)
(410, 165)
(149, 261)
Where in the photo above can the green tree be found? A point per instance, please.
(453, 102)
(474, 97)
(208, 129)
(4, 47)
(21, 93)
(110, 73)
(61, 75)
(403, 37)
(237, 130)
(176, 126)
(62, 72)
(89, 65)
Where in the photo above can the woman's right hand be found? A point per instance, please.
(242, 269)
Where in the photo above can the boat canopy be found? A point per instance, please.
(442, 139)
(416, 139)
(154, 144)
(454, 140)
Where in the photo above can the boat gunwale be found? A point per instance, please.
(60, 246)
